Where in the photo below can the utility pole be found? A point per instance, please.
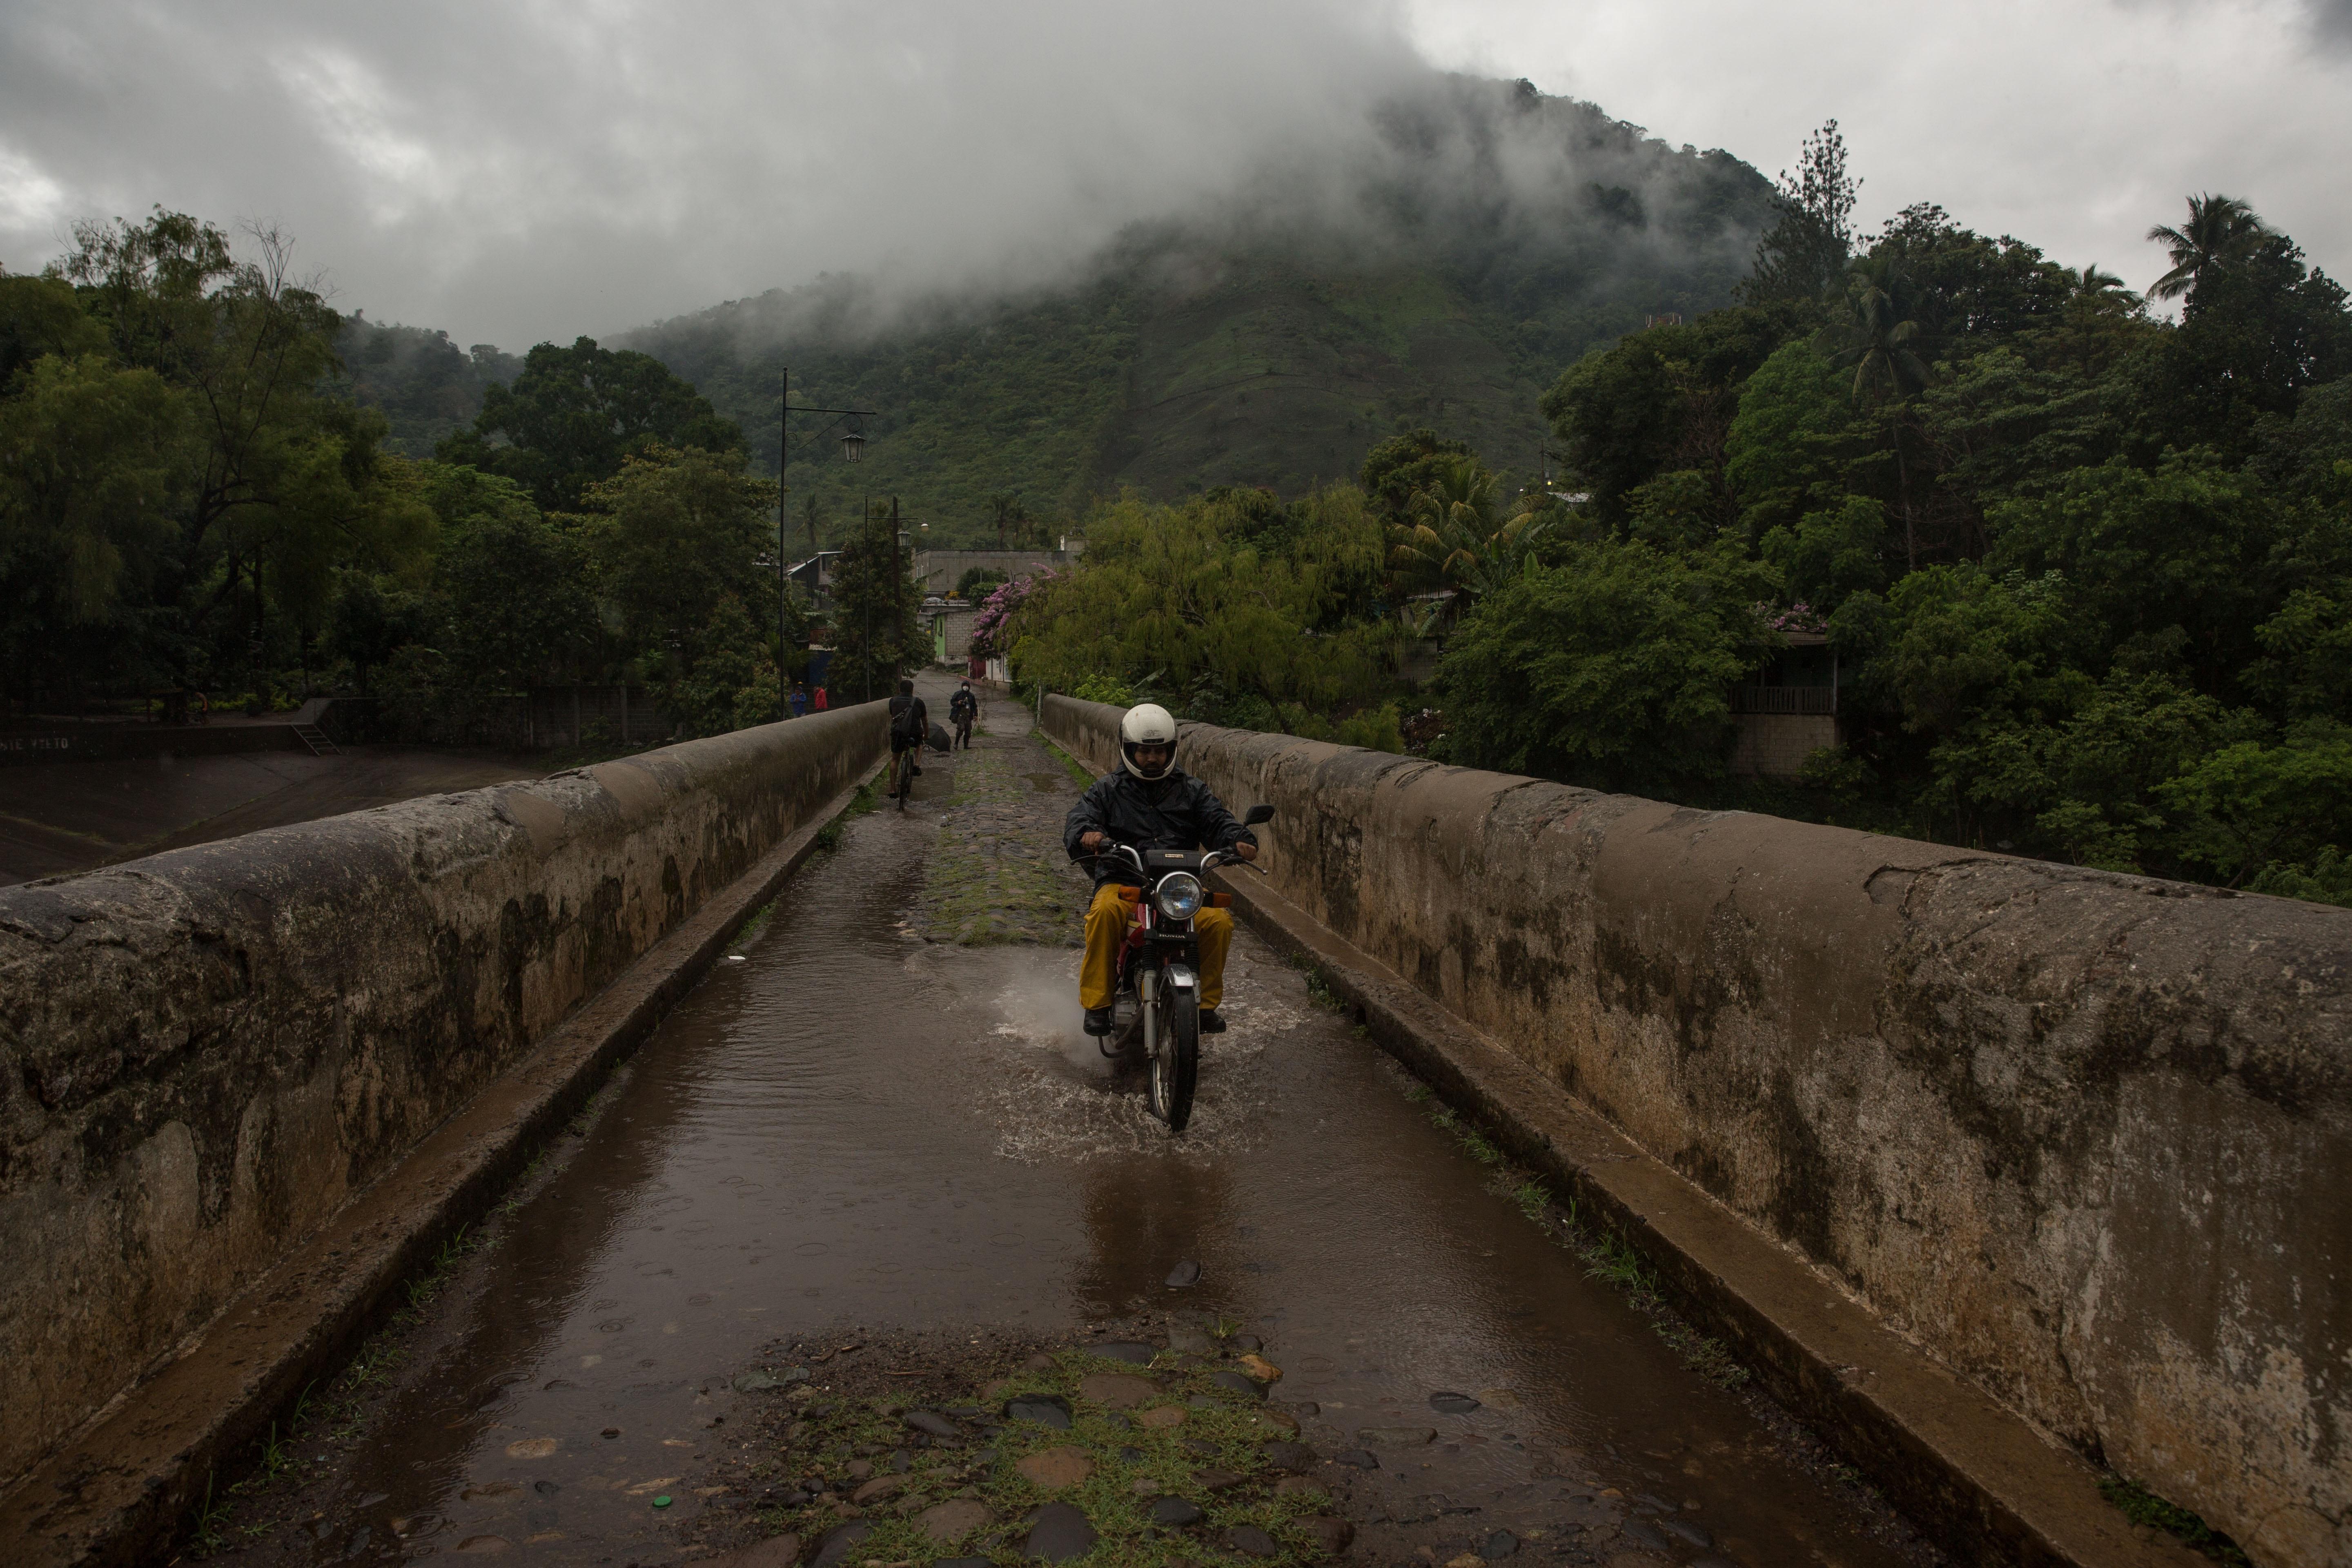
(852, 447)
(867, 651)
(784, 455)
(898, 586)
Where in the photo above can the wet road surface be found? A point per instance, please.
(856, 1127)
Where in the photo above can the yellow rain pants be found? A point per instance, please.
(1108, 918)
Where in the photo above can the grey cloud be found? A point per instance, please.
(536, 170)
(533, 170)
(2331, 22)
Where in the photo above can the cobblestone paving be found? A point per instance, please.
(997, 875)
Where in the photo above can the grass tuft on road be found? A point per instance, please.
(1220, 1429)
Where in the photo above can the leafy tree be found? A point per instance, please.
(1614, 668)
(977, 580)
(1660, 399)
(176, 449)
(2252, 807)
(731, 686)
(877, 633)
(92, 459)
(1830, 554)
(2174, 562)
(1185, 602)
(1782, 442)
(373, 622)
(2259, 329)
(671, 534)
(41, 316)
(520, 591)
(574, 415)
(1403, 467)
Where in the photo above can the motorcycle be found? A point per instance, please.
(1159, 991)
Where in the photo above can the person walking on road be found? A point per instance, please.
(963, 710)
(800, 700)
(819, 701)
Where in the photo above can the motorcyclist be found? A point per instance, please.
(963, 708)
(1149, 803)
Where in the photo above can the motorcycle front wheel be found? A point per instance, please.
(1176, 1065)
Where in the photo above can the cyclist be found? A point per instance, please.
(962, 709)
(910, 722)
(1147, 803)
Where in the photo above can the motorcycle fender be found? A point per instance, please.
(1182, 977)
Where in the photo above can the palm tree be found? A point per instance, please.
(2219, 230)
(1453, 543)
(1876, 337)
(2091, 283)
(1875, 340)
(1009, 513)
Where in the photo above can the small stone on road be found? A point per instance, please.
(1058, 1532)
(1045, 1409)
(950, 1521)
(1250, 1541)
(1332, 1535)
(1117, 1390)
(1055, 1468)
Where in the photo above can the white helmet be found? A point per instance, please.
(1146, 724)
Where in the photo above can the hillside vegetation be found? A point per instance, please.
(1498, 236)
(2086, 572)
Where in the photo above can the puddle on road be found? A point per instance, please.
(857, 1127)
(1056, 1098)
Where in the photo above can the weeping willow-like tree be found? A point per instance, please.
(1229, 592)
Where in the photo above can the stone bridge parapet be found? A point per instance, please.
(205, 1054)
(2085, 1137)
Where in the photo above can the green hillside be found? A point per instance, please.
(1273, 352)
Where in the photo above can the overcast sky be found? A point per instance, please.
(540, 168)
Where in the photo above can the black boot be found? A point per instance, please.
(1098, 1021)
(1212, 1022)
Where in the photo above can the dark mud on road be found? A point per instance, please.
(858, 1132)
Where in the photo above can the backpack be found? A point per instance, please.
(907, 724)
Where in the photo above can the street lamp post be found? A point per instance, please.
(853, 448)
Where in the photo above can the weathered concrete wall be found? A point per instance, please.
(204, 1054)
(2087, 1138)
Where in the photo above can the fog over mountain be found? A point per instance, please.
(531, 170)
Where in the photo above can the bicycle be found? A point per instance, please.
(902, 769)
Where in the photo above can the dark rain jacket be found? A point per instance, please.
(1177, 812)
(899, 705)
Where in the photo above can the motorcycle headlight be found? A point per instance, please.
(1177, 895)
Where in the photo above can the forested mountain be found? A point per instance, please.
(427, 389)
(1495, 235)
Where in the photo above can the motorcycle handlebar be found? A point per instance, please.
(1210, 861)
